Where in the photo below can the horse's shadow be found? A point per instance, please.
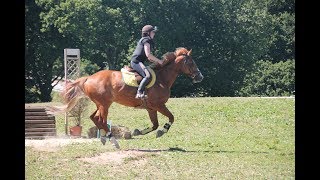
(177, 149)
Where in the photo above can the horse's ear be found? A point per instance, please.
(189, 52)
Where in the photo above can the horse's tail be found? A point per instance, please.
(71, 94)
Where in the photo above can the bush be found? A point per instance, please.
(270, 79)
(77, 111)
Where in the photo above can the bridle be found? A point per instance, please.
(186, 62)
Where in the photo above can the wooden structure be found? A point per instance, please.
(71, 72)
(38, 123)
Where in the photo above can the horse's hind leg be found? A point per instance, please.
(154, 119)
(164, 110)
(99, 117)
(95, 118)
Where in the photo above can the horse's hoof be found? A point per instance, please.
(136, 132)
(103, 140)
(159, 133)
(114, 142)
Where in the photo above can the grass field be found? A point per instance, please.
(211, 138)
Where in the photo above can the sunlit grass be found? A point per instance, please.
(211, 138)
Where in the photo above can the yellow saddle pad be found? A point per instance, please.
(130, 79)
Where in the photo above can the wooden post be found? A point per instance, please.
(71, 72)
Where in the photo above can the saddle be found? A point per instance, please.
(132, 78)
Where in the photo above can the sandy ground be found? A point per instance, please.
(52, 144)
(114, 157)
(117, 157)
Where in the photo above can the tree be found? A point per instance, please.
(283, 13)
(41, 53)
(270, 79)
(97, 28)
(227, 38)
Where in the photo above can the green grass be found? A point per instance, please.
(211, 138)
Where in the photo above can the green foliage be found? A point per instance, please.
(87, 67)
(31, 94)
(42, 51)
(77, 112)
(283, 47)
(227, 38)
(100, 31)
(270, 79)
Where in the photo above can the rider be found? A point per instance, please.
(142, 52)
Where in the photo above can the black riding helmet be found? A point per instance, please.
(149, 28)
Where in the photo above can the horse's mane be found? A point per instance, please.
(169, 57)
(180, 51)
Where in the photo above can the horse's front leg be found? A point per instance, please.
(164, 110)
(154, 119)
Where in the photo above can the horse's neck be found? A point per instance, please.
(168, 74)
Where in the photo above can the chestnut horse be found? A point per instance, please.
(107, 86)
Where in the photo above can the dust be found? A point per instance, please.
(54, 144)
(136, 157)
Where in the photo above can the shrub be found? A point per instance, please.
(270, 79)
(77, 111)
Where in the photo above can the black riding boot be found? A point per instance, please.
(140, 92)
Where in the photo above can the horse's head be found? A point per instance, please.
(188, 66)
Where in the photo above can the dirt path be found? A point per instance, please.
(114, 157)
